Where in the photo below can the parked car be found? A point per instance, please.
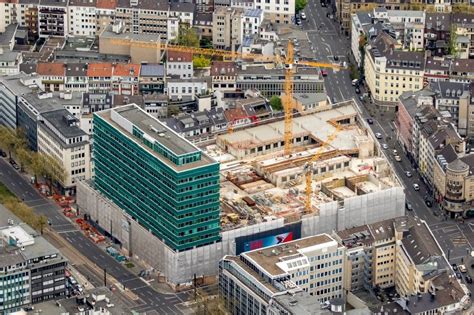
(416, 187)
(378, 135)
(370, 121)
(408, 173)
(355, 82)
(324, 73)
(303, 16)
(408, 206)
(395, 152)
(458, 275)
(357, 90)
(455, 267)
(468, 279)
(398, 158)
(3, 154)
(384, 146)
(336, 58)
(462, 268)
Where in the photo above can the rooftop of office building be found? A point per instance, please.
(125, 117)
(275, 260)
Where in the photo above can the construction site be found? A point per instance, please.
(333, 155)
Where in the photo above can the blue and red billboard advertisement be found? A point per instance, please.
(268, 241)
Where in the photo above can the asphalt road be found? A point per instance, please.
(150, 301)
(455, 238)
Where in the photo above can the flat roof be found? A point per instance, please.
(316, 124)
(58, 119)
(171, 140)
(268, 257)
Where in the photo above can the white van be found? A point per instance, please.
(354, 82)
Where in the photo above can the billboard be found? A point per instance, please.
(268, 241)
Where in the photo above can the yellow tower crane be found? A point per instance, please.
(287, 100)
(308, 168)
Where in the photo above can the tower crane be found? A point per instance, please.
(308, 168)
(287, 99)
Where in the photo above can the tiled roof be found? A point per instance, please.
(223, 68)
(126, 70)
(235, 114)
(178, 56)
(106, 4)
(51, 69)
(99, 70)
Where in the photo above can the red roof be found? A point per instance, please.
(99, 70)
(235, 114)
(223, 68)
(126, 70)
(51, 69)
(179, 56)
(106, 4)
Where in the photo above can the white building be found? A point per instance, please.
(183, 11)
(250, 22)
(361, 21)
(59, 136)
(7, 14)
(279, 11)
(313, 264)
(179, 89)
(82, 18)
(179, 64)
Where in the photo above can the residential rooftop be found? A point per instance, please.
(65, 123)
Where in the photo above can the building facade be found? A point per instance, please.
(167, 184)
(60, 137)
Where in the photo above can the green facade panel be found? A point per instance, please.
(181, 208)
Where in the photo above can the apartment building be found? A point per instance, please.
(152, 79)
(448, 96)
(463, 27)
(454, 181)
(408, 106)
(91, 103)
(143, 16)
(277, 11)
(52, 75)
(179, 64)
(82, 17)
(313, 264)
(360, 24)
(437, 32)
(100, 77)
(184, 215)
(8, 14)
(270, 81)
(390, 72)
(203, 24)
(182, 11)
(250, 22)
(223, 75)
(434, 136)
(53, 18)
(226, 27)
(31, 269)
(185, 89)
(125, 78)
(60, 136)
(76, 79)
(105, 14)
(27, 16)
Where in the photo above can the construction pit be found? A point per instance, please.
(259, 183)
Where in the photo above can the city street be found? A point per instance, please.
(150, 301)
(455, 238)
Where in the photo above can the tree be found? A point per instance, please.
(37, 165)
(8, 139)
(187, 37)
(24, 157)
(55, 170)
(453, 46)
(300, 5)
(275, 103)
(209, 305)
(205, 43)
(201, 62)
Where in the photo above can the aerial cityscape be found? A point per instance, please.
(261, 157)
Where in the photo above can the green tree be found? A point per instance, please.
(453, 47)
(187, 36)
(24, 156)
(9, 138)
(300, 5)
(201, 62)
(205, 43)
(37, 165)
(275, 103)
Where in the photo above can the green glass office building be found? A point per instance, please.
(162, 180)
